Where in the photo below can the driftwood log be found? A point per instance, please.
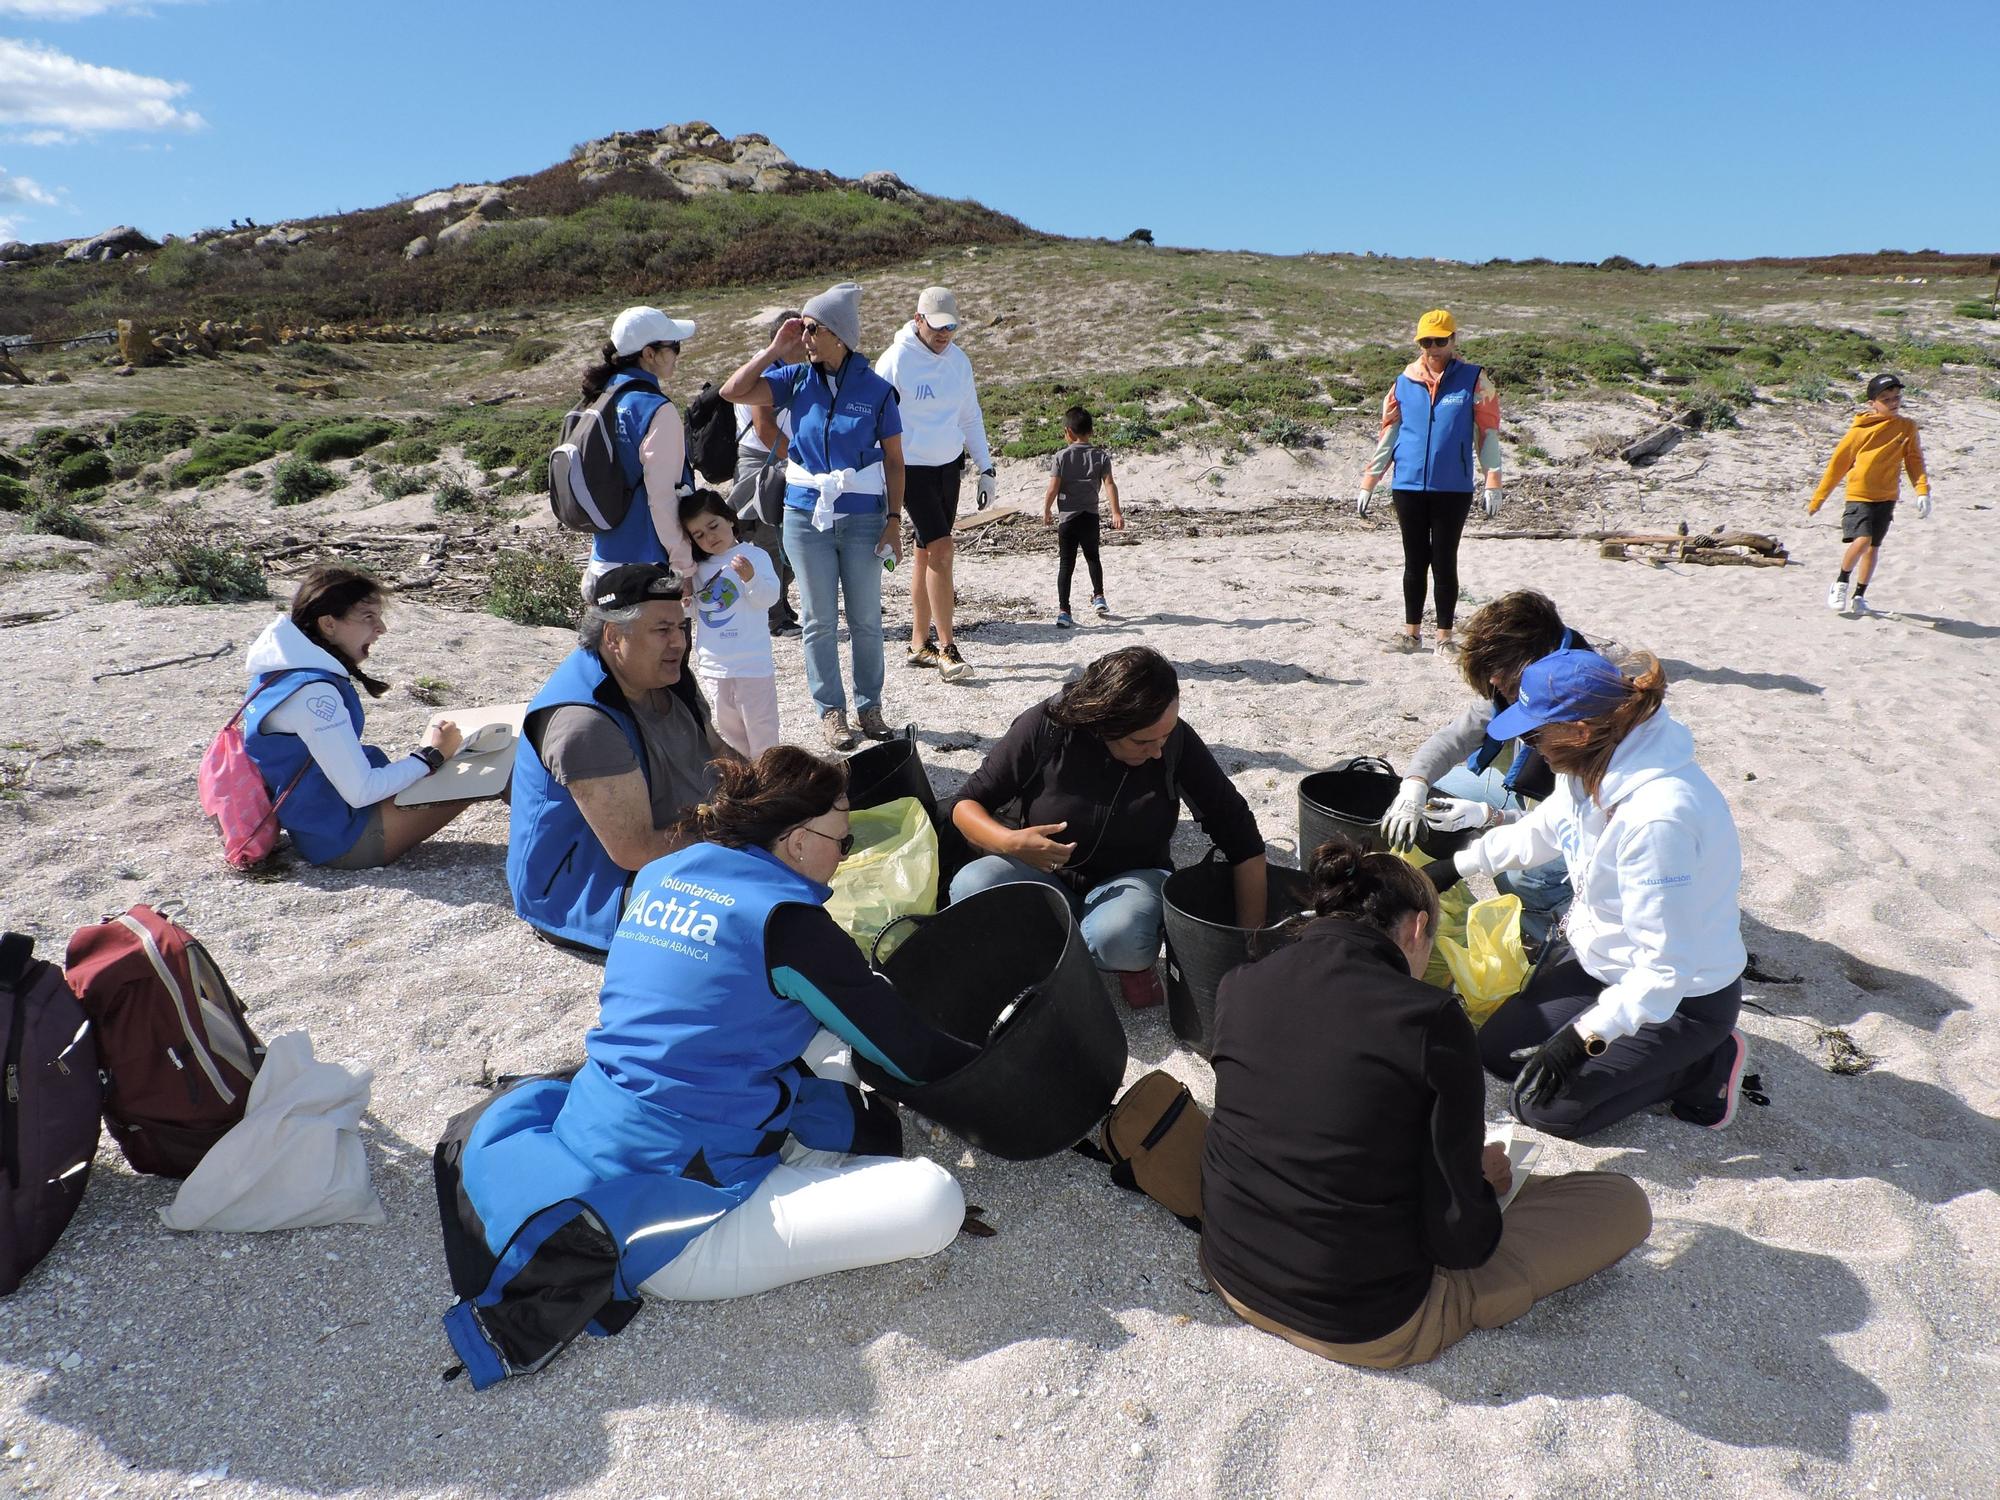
(1653, 445)
(1750, 549)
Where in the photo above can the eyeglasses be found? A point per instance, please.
(846, 841)
(1432, 343)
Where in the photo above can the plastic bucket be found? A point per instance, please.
(1049, 1074)
(1204, 943)
(889, 770)
(1350, 798)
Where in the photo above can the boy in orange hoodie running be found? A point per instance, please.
(1873, 454)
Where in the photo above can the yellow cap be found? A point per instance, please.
(1436, 324)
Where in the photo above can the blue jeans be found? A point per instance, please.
(833, 567)
(1121, 919)
(1544, 890)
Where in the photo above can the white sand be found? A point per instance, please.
(1813, 1315)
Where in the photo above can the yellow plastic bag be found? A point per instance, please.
(892, 871)
(1490, 965)
(1452, 908)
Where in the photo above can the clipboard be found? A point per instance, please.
(1522, 1154)
(485, 761)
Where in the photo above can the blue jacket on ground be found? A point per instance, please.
(634, 539)
(838, 425)
(1434, 448)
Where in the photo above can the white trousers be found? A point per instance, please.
(817, 1213)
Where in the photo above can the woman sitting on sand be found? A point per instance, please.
(302, 728)
(1484, 782)
(1099, 772)
(716, 1100)
(1636, 1001)
(1348, 1195)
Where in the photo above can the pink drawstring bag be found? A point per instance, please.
(233, 794)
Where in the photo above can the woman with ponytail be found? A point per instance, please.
(1349, 1200)
(1635, 1003)
(302, 727)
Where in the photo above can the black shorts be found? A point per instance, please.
(930, 498)
(1869, 518)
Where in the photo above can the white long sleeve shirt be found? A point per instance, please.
(1655, 865)
(938, 400)
(732, 630)
(316, 714)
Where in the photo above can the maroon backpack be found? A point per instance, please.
(48, 1115)
(176, 1044)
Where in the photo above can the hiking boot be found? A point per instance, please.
(1836, 596)
(1063, 620)
(1103, 610)
(874, 726)
(838, 735)
(1715, 1111)
(952, 666)
(925, 655)
(1141, 988)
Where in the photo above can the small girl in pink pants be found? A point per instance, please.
(734, 589)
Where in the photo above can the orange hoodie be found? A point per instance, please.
(1870, 454)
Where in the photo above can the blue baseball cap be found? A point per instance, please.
(1561, 688)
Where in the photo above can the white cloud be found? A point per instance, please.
(38, 138)
(69, 10)
(50, 90)
(23, 190)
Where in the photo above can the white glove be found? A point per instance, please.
(1456, 814)
(1466, 861)
(1361, 502)
(1924, 506)
(989, 489)
(1493, 500)
(1405, 818)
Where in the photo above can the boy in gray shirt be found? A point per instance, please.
(1076, 475)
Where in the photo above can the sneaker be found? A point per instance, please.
(1141, 988)
(1097, 603)
(1836, 596)
(1407, 645)
(784, 628)
(1859, 608)
(925, 655)
(1063, 620)
(1716, 1111)
(951, 666)
(874, 726)
(1446, 646)
(838, 735)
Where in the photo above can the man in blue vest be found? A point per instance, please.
(614, 747)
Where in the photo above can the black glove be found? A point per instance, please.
(1443, 874)
(1548, 1069)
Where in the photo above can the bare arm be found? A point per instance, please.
(892, 484)
(1252, 892)
(619, 810)
(748, 385)
(1049, 498)
(987, 833)
(1111, 494)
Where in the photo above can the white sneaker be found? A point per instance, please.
(1859, 607)
(1836, 596)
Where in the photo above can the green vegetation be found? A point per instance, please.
(394, 482)
(83, 471)
(13, 493)
(145, 437)
(454, 494)
(54, 515)
(178, 564)
(525, 353)
(298, 480)
(222, 453)
(1982, 308)
(537, 587)
(345, 439)
(429, 691)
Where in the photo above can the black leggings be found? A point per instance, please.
(1432, 521)
(1687, 1056)
(1078, 533)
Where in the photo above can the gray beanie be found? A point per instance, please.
(839, 308)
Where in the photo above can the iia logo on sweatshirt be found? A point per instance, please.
(927, 392)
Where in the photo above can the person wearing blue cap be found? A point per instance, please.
(1635, 1004)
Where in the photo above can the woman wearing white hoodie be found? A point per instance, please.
(302, 728)
(941, 424)
(1636, 1003)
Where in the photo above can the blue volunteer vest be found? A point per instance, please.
(634, 539)
(562, 879)
(319, 820)
(1434, 446)
(837, 427)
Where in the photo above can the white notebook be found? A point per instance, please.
(484, 763)
(1522, 1154)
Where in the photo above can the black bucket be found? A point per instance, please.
(1350, 798)
(888, 771)
(1204, 943)
(1049, 1075)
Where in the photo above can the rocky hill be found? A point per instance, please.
(679, 207)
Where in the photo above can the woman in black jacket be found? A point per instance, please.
(1348, 1196)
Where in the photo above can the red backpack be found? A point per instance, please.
(174, 1040)
(48, 1114)
(234, 795)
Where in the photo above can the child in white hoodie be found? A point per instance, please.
(734, 589)
(1635, 1004)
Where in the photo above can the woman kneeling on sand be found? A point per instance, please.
(1635, 1003)
(302, 728)
(1348, 1196)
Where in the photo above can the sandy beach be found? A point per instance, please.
(1814, 1314)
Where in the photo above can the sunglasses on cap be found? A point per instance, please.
(1433, 343)
(846, 841)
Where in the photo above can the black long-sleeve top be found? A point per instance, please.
(1343, 1163)
(1120, 817)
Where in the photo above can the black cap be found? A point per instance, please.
(1883, 383)
(635, 583)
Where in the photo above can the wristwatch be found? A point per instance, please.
(431, 756)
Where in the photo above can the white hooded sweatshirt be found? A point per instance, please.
(939, 405)
(1655, 865)
(316, 715)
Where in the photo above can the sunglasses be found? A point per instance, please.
(846, 841)
(809, 329)
(671, 345)
(1432, 343)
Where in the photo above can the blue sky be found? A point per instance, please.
(1429, 127)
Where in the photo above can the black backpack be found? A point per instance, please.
(711, 435)
(587, 486)
(49, 1111)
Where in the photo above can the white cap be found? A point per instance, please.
(937, 307)
(636, 327)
